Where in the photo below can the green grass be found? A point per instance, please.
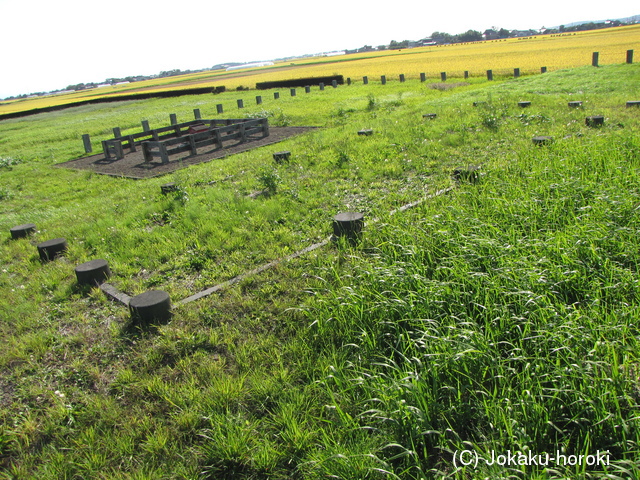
(501, 316)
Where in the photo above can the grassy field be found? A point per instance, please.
(502, 56)
(498, 317)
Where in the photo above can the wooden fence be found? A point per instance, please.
(240, 131)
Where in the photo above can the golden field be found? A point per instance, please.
(502, 56)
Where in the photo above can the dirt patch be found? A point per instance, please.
(134, 166)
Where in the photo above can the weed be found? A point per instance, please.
(269, 179)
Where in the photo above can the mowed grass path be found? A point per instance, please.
(499, 317)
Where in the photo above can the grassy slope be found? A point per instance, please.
(500, 316)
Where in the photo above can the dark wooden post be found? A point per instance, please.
(466, 74)
(219, 108)
(93, 272)
(240, 103)
(151, 307)
(196, 114)
(276, 95)
(348, 225)
(116, 132)
(145, 125)
(307, 89)
(516, 73)
(51, 249)
(168, 188)
(383, 80)
(334, 83)
(629, 56)
(365, 80)
(443, 76)
(543, 69)
(401, 77)
(86, 140)
(23, 230)
(349, 81)
(594, 59)
(258, 100)
(489, 75)
(321, 86)
(283, 156)
(542, 140)
(423, 77)
(293, 92)
(594, 121)
(173, 118)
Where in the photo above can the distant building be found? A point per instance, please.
(250, 65)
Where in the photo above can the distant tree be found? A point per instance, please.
(442, 37)
(470, 36)
(504, 33)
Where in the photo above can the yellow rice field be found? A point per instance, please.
(502, 56)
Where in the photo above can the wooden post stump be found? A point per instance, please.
(575, 104)
(383, 80)
(334, 83)
(423, 77)
(516, 73)
(348, 225)
(402, 78)
(542, 140)
(145, 126)
(276, 95)
(365, 80)
(51, 249)
(283, 156)
(240, 103)
(173, 118)
(258, 100)
(365, 132)
(489, 75)
(149, 308)
(196, 114)
(93, 273)
(219, 108)
(307, 89)
(594, 121)
(321, 87)
(86, 140)
(524, 104)
(468, 174)
(349, 81)
(443, 76)
(543, 69)
(293, 92)
(168, 188)
(116, 132)
(466, 74)
(629, 56)
(23, 230)
(594, 59)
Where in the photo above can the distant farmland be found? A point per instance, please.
(528, 54)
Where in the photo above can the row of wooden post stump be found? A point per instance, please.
(153, 307)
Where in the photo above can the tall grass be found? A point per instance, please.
(499, 316)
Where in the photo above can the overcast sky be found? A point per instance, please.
(46, 44)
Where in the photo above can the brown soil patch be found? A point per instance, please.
(134, 166)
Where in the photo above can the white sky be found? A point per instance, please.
(47, 44)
